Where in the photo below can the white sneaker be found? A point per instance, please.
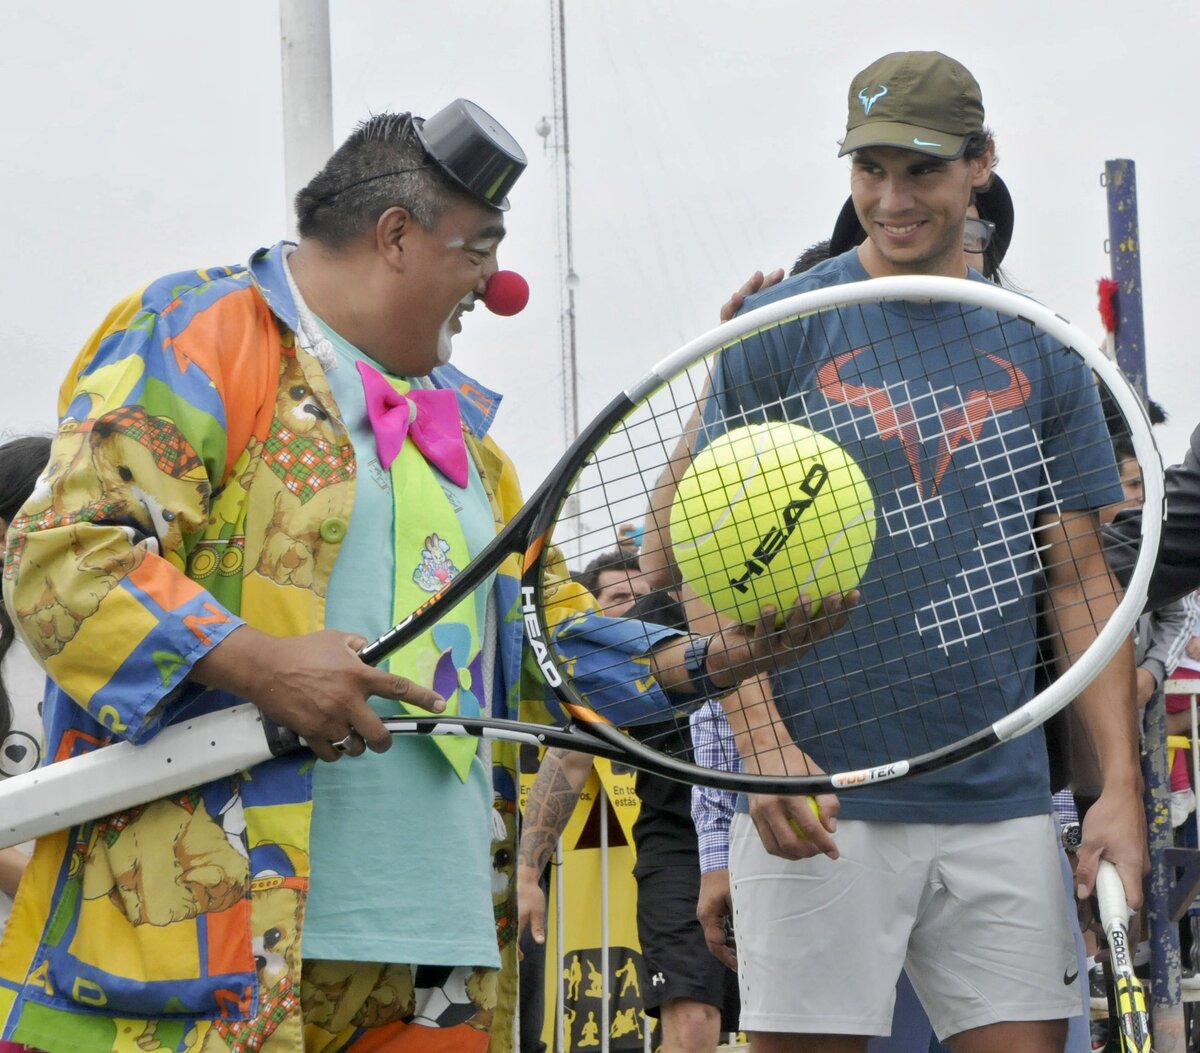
(1097, 994)
(1183, 803)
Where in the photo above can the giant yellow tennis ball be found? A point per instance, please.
(770, 512)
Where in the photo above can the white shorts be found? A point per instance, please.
(975, 913)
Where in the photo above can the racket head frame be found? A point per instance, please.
(553, 494)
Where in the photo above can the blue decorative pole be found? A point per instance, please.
(1165, 994)
(1125, 253)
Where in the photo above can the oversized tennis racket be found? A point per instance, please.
(969, 414)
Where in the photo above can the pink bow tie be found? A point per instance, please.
(429, 416)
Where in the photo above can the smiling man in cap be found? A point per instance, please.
(919, 152)
(987, 235)
(952, 876)
(266, 466)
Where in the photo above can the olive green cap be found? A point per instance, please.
(914, 100)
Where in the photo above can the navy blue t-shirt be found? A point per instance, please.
(958, 417)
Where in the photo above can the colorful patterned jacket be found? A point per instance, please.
(200, 477)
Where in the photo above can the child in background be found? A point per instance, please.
(21, 462)
(1179, 718)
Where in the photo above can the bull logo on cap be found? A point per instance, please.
(869, 102)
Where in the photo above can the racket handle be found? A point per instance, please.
(1110, 896)
(112, 778)
(281, 740)
(1132, 1019)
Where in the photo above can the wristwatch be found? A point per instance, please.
(695, 664)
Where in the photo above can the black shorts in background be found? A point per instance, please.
(677, 960)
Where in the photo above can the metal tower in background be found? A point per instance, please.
(558, 127)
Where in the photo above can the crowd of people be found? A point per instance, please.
(234, 473)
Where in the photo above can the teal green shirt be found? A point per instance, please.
(401, 849)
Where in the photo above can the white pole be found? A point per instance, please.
(560, 949)
(605, 1023)
(1194, 756)
(307, 95)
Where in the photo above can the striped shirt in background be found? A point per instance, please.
(712, 810)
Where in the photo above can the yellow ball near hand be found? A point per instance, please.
(816, 810)
(768, 513)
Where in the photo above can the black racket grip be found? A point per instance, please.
(281, 740)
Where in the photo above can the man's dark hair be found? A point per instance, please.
(381, 165)
(21, 462)
(977, 144)
(810, 257)
(1123, 449)
(1115, 419)
(617, 559)
(661, 607)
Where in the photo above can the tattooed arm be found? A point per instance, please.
(552, 798)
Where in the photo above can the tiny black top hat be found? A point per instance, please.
(474, 150)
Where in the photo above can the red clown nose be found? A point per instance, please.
(507, 293)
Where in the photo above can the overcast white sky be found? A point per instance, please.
(142, 138)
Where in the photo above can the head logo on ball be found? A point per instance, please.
(770, 512)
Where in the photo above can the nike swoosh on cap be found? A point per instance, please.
(922, 142)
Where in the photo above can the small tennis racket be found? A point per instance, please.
(971, 414)
(1128, 996)
(1132, 1019)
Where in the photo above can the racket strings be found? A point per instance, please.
(614, 485)
(971, 431)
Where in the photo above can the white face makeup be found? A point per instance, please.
(484, 246)
(458, 259)
(443, 347)
(451, 326)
